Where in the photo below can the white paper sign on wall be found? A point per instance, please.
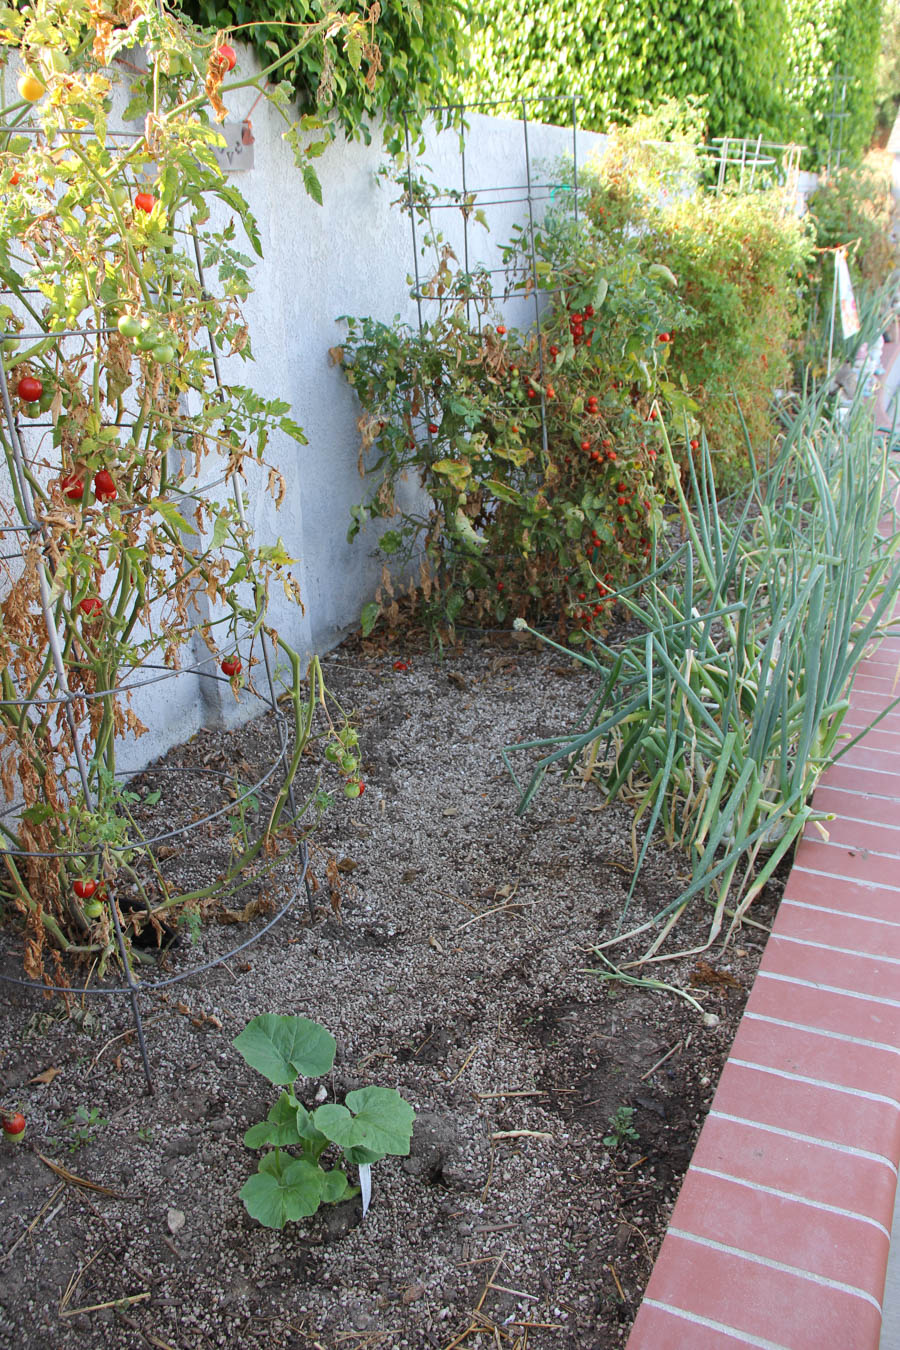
(236, 156)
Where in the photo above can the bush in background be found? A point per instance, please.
(618, 60)
(737, 257)
(854, 207)
(828, 36)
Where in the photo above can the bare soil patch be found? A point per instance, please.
(447, 955)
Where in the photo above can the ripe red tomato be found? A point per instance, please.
(90, 605)
(104, 486)
(665, 337)
(72, 487)
(501, 329)
(144, 201)
(225, 56)
(585, 445)
(433, 428)
(554, 351)
(400, 665)
(29, 389)
(695, 445)
(84, 888)
(231, 666)
(14, 1127)
(589, 311)
(15, 178)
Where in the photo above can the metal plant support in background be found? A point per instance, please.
(745, 161)
(533, 194)
(31, 539)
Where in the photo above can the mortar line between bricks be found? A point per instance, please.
(816, 1082)
(822, 1031)
(856, 793)
(802, 1138)
(841, 951)
(853, 850)
(744, 1337)
(866, 769)
(828, 988)
(791, 1196)
(781, 1266)
(838, 876)
(839, 913)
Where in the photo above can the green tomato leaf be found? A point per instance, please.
(390, 541)
(170, 515)
(454, 469)
(283, 1047)
(369, 617)
(506, 494)
(283, 1189)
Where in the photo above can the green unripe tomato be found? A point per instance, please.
(349, 763)
(348, 737)
(45, 403)
(352, 789)
(163, 354)
(129, 326)
(333, 753)
(148, 338)
(92, 909)
(32, 409)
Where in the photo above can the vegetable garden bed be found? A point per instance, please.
(556, 1111)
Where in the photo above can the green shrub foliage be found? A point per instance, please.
(421, 46)
(737, 258)
(759, 66)
(622, 57)
(829, 36)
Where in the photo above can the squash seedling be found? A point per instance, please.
(371, 1124)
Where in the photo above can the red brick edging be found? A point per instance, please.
(780, 1235)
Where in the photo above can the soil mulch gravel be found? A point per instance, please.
(450, 954)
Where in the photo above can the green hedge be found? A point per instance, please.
(422, 55)
(758, 66)
(623, 57)
(826, 36)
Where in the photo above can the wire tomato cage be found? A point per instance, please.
(60, 719)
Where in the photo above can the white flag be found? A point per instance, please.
(849, 315)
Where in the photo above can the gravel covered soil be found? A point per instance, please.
(448, 954)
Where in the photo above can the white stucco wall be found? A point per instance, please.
(352, 255)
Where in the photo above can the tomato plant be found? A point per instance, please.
(104, 315)
(540, 480)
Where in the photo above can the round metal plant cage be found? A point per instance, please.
(33, 535)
